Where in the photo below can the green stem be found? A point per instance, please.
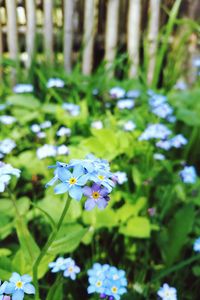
(177, 267)
(46, 247)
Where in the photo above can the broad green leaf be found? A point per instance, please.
(5, 252)
(99, 219)
(177, 232)
(26, 101)
(68, 239)
(128, 210)
(28, 245)
(138, 227)
(5, 268)
(56, 291)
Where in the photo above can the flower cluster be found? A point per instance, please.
(63, 131)
(129, 126)
(167, 293)
(188, 174)
(97, 124)
(155, 131)
(16, 287)
(65, 265)
(107, 281)
(75, 176)
(176, 142)
(6, 171)
(6, 146)
(119, 93)
(51, 151)
(37, 128)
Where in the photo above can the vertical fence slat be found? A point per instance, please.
(48, 30)
(88, 37)
(68, 33)
(12, 36)
(133, 43)
(153, 31)
(31, 29)
(1, 49)
(112, 19)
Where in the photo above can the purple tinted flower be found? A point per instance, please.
(97, 196)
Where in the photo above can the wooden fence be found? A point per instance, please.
(95, 26)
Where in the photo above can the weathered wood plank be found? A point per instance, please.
(88, 36)
(48, 30)
(68, 33)
(133, 42)
(31, 30)
(112, 19)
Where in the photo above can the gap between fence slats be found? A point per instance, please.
(48, 30)
(111, 37)
(133, 42)
(90, 16)
(31, 30)
(68, 33)
(153, 30)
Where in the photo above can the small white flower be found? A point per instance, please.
(46, 124)
(7, 120)
(55, 82)
(133, 94)
(6, 170)
(6, 146)
(158, 156)
(125, 104)
(129, 126)
(41, 135)
(23, 88)
(121, 177)
(46, 151)
(62, 150)
(35, 128)
(97, 125)
(63, 131)
(73, 109)
(167, 293)
(117, 92)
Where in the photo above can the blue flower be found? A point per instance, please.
(196, 246)
(158, 156)
(117, 92)
(167, 293)
(102, 178)
(59, 265)
(107, 281)
(188, 174)
(125, 104)
(23, 88)
(55, 82)
(20, 285)
(71, 269)
(97, 196)
(163, 110)
(178, 140)
(155, 131)
(6, 171)
(157, 100)
(4, 290)
(71, 182)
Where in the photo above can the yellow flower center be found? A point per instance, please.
(95, 195)
(101, 177)
(19, 284)
(114, 289)
(70, 269)
(72, 180)
(99, 283)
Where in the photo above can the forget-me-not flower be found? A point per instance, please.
(117, 92)
(55, 82)
(20, 285)
(96, 196)
(6, 171)
(125, 103)
(59, 265)
(196, 246)
(71, 269)
(188, 174)
(167, 293)
(23, 88)
(7, 120)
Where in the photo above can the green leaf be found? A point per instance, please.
(128, 210)
(5, 252)
(189, 117)
(173, 240)
(5, 268)
(56, 291)
(26, 101)
(138, 227)
(99, 219)
(68, 239)
(28, 245)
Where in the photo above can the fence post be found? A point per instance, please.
(31, 30)
(112, 19)
(68, 33)
(154, 14)
(89, 33)
(133, 43)
(12, 36)
(48, 30)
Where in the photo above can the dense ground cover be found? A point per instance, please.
(149, 225)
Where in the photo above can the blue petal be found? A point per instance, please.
(15, 277)
(90, 204)
(29, 288)
(76, 192)
(91, 289)
(78, 171)
(52, 181)
(64, 174)
(82, 180)
(26, 278)
(8, 288)
(61, 188)
(18, 295)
